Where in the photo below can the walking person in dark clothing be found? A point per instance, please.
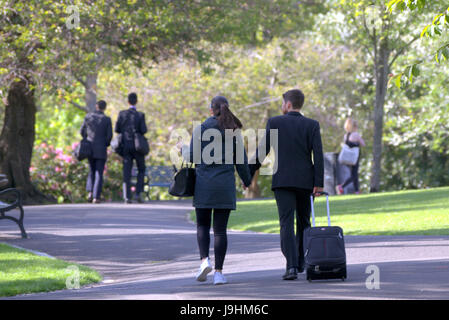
(97, 128)
(298, 175)
(129, 122)
(354, 140)
(215, 190)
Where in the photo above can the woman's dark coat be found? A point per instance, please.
(215, 182)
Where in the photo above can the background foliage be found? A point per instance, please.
(327, 62)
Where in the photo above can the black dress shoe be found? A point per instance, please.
(290, 274)
(140, 198)
(301, 268)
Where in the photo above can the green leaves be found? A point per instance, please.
(406, 76)
(412, 71)
(396, 4)
(401, 5)
(433, 30)
(439, 22)
(442, 54)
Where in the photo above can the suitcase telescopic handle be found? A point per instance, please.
(327, 205)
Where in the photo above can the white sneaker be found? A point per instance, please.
(219, 278)
(205, 268)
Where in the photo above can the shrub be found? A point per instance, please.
(57, 173)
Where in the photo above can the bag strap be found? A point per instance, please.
(313, 210)
(347, 137)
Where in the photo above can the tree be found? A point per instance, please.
(253, 80)
(21, 53)
(40, 50)
(187, 28)
(433, 30)
(383, 38)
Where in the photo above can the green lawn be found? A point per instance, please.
(24, 272)
(420, 212)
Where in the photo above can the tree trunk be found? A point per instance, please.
(253, 190)
(381, 72)
(91, 91)
(17, 139)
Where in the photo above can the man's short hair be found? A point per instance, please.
(132, 98)
(296, 97)
(101, 104)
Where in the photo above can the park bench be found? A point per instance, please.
(155, 176)
(13, 201)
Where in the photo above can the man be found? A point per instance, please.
(129, 122)
(97, 128)
(297, 176)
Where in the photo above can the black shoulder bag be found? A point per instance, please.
(183, 184)
(140, 142)
(83, 150)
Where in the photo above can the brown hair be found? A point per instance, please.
(226, 119)
(296, 97)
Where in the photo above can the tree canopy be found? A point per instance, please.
(58, 57)
(436, 27)
(50, 45)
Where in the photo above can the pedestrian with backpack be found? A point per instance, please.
(131, 126)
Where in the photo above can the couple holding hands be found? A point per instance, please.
(300, 171)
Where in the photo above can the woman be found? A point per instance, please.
(353, 139)
(215, 181)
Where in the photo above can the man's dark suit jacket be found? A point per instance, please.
(298, 138)
(97, 128)
(128, 122)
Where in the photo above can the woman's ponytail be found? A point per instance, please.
(226, 119)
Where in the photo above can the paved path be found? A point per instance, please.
(150, 252)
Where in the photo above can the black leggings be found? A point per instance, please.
(203, 223)
(354, 178)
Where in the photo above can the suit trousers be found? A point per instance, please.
(289, 201)
(95, 178)
(128, 158)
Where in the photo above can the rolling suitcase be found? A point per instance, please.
(324, 249)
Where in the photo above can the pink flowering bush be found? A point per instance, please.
(57, 173)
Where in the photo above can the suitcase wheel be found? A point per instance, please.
(308, 276)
